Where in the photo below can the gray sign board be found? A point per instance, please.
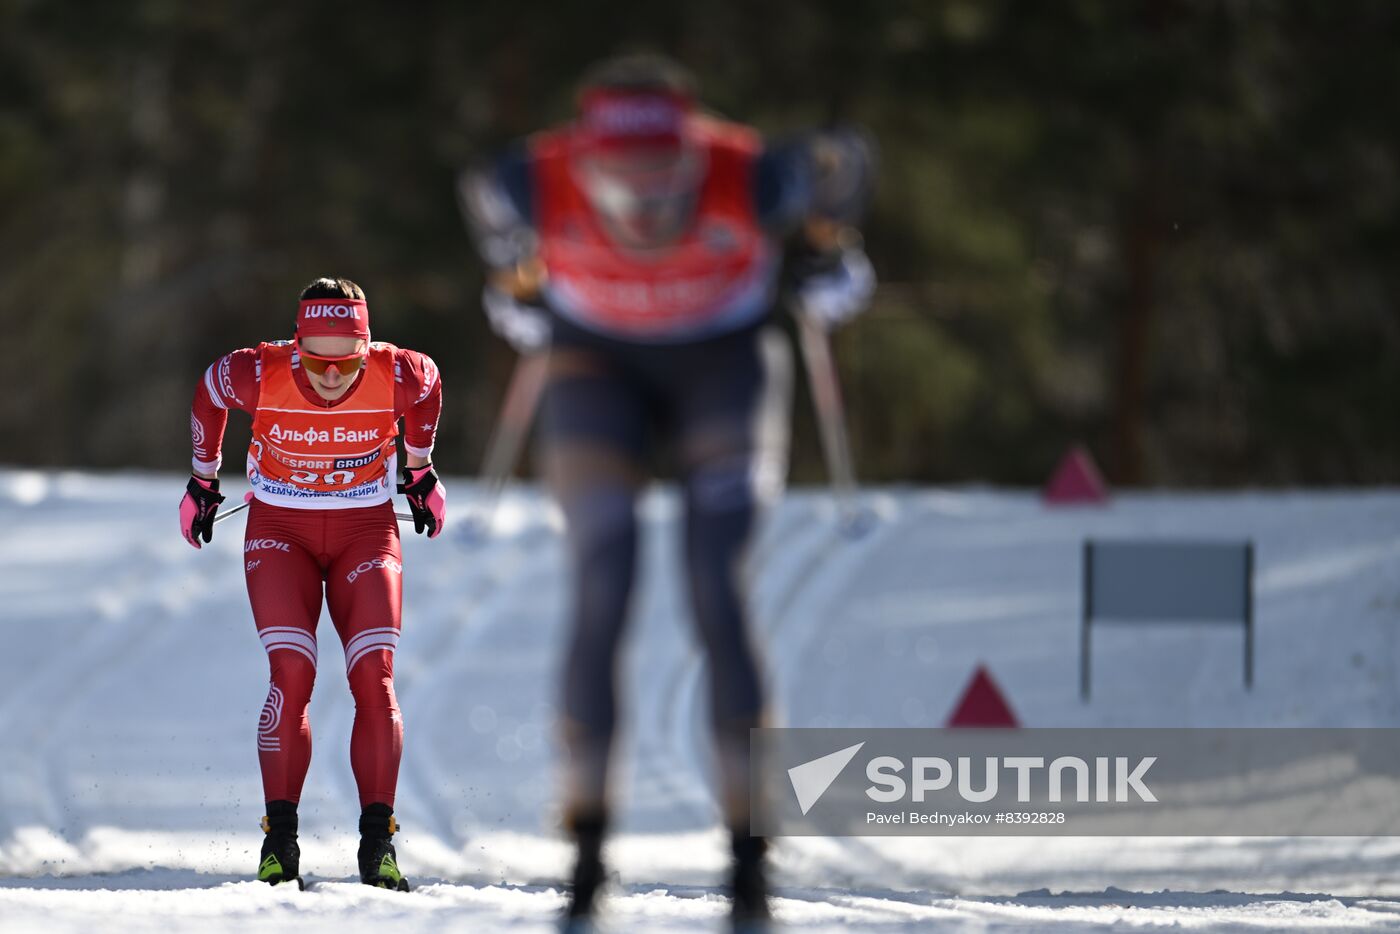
(1167, 582)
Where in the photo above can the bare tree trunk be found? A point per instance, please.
(1142, 244)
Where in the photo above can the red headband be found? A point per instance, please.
(333, 317)
(613, 119)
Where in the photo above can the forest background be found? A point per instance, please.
(1165, 229)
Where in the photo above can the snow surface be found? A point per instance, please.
(131, 682)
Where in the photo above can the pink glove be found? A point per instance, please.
(198, 508)
(427, 499)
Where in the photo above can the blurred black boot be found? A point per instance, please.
(588, 877)
(749, 885)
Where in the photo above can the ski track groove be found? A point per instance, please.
(446, 631)
(689, 740)
(685, 738)
(797, 626)
(475, 621)
(98, 659)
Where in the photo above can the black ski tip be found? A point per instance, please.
(752, 927)
(583, 925)
(301, 884)
(403, 885)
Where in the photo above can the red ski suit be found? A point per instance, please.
(305, 537)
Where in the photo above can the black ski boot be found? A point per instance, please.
(749, 885)
(281, 857)
(588, 874)
(378, 862)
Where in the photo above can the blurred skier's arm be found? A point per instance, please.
(832, 285)
(495, 201)
(814, 191)
(496, 205)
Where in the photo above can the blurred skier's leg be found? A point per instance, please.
(734, 437)
(593, 426)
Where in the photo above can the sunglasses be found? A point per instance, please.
(346, 365)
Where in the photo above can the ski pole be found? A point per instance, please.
(508, 437)
(825, 387)
(248, 500)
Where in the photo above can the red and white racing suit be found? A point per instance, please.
(322, 520)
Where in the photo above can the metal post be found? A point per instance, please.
(1249, 615)
(1088, 604)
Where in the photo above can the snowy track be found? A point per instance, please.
(132, 678)
(144, 901)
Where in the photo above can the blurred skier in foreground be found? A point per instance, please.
(642, 245)
(325, 411)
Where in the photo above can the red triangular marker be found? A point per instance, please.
(1076, 481)
(982, 704)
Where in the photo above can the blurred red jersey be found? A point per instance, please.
(718, 275)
